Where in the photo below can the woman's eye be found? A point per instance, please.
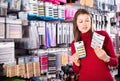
(80, 21)
(87, 20)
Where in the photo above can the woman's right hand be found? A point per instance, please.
(75, 59)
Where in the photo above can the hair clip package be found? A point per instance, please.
(3, 7)
(41, 10)
(29, 66)
(36, 66)
(15, 5)
(97, 40)
(11, 69)
(25, 5)
(59, 33)
(21, 72)
(13, 28)
(2, 27)
(80, 49)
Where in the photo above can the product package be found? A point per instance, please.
(59, 33)
(48, 10)
(3, 7)
(21, 71)
(7, 53)
(80, 49)
(41, 10)
(29, 66)
(51, 64)
(55, 11)
(97, 40)
(10, 69)
(13, 28)
(43, 63)
(36, 66)
(15, 5)
(61, 11)
(64, 58)
(2, 27)
(41, 33)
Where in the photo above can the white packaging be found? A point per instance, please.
(97, 40)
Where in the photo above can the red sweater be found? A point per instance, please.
(91, 67)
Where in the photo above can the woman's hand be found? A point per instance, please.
(75, 59)
(101, 54)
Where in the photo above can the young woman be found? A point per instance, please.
(95, 66)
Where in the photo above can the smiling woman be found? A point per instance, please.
(97, 59)
(84, 22)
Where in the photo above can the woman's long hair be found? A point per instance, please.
(76, 31)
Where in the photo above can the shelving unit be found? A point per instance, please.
(44, 30)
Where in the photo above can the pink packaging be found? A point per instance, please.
(118, 7)
(64, 1)
(55, 1)
(69, 13)
(118, 18)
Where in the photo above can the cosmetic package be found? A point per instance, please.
(29, 66)
(36, 66)
(21, 70)
(15, 5)
(43, 57)
(3, 7)
(7, 52)
(2, 27)
(13, 28)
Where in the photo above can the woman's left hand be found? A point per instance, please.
(101, 54)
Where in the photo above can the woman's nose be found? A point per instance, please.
(84, 23)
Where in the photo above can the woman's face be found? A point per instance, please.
(84, 23)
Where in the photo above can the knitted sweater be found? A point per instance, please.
(91, 67)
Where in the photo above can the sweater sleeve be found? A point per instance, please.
(74, 67)
(109, 48)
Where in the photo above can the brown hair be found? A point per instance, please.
(76, 31)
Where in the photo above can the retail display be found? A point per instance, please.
(44, 29)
